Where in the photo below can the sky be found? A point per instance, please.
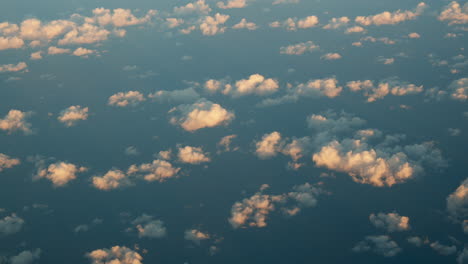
(233, 131)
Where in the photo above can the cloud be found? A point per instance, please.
(391, 222)
(85, 34)
(118, 17)
(391, 86)
(83, 52)
(254, 211)
(59, 173)
(256, 84)
(10, 225)
(232, 4)
(269, 146)
(414, 35)
(416, 241)
(292, 24)
(26, 257)
(355, 29)
(184, 96)
(192, 155)
(463, 256)
(457, 202)
(73, 114)
(10, 42)
(459, 89)
(13, 68)
(6, 162)
(382, 245)
(132, 98)
(36, 55)
(158, 170)
(317, 88)
(16, 120)
(148, 227)
(196, 236)
(201, 114)
(131, 151)
(391, 18)
(54, 50)
(336, 23)
(299, 48)
(114, 255)
(443, 249)
(331, 56)
(212, 25)
(280, 2)
(113, 179)
(244, 24)
(225, 143)
(454, 13)
(198, 7)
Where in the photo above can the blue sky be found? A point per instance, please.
(253, 131)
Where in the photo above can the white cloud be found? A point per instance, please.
(443, 249)
(118, 17)
(355, 29)
(158, 170)
(113, 179)
(256, 84)
(299, 48)
(196, 236)
(244, 24)
(6, 162)
(73, 114)
(26, 257)
(85, 34)
(331, 56)
(212, 25)
(226, 142)
(10, 43)
(114, 255)
(192, 155)
(148, 227)
(83, 52)
(198, 7)
(201, 114)
(414, 35)
(391, 18)
(11, 224)
(13, 68)
(292, 24)
(269, 146)
(391, 86)
(36, 55)
(337, 22)
(232, 4)
(131, 98)
(16, 120)
(382, 245)
(454, 13)
(54, 50)
(459, 89)
(457, 202)
(392, 222)
(60, 173)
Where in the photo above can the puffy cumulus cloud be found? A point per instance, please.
(197, 7)
(6, 162)
(192, 155)
(317, 88)
(232, 4)
(122, 99)
(337, 22)
(443, 249)
(11, 42)
(196, 236)
(11, 224)
(254, 211)
(16, 120)
(225, 144)
(20, 66)
(459, 89)
(148, 227)
(454, 13)
(85, 34)
(59, 173)
(244, 24)
(36, 55)
(184, 96)
(292, 24)
(414, 35)
(26, 257)
(52, 50)
(299, 48)
(362, 156)
(158, 170)
(269, 145)
(391, 18)
(384, 40)
(391, 222)
(201, 114)
(255, 84)
(34, 29)
(331, 56)
(392, 86)
(212, 25)
(457, 202)
(73, 114)
(83, 52)
(382, 245)
(355, 29)
(118, 17)
(113, 179)
(114, 255)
